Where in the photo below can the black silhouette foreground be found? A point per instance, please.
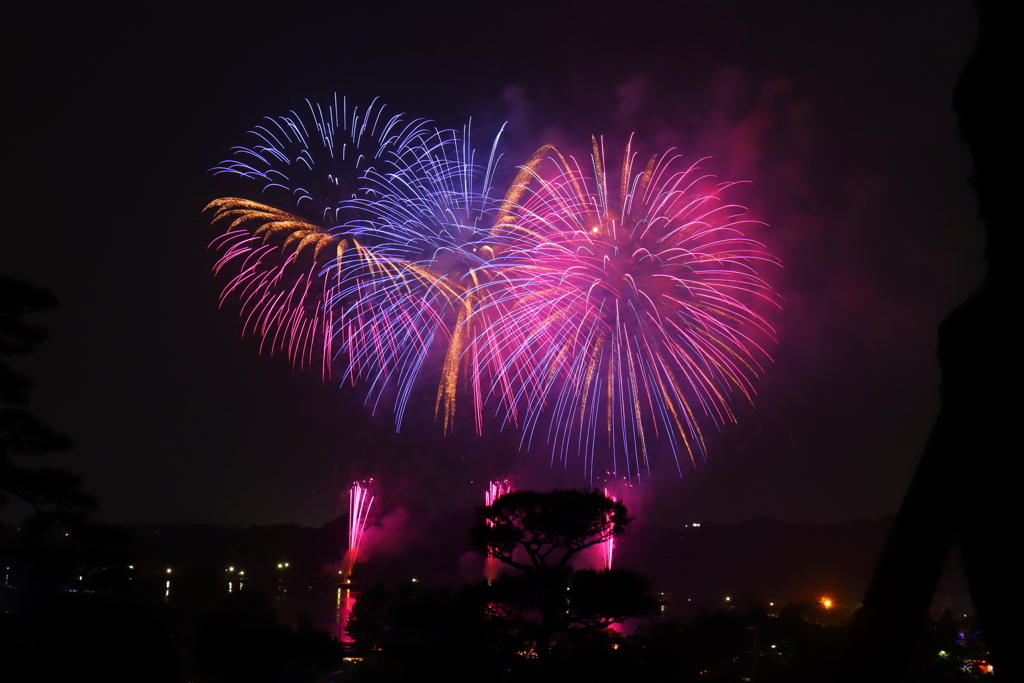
(538, 534)
(961, 490)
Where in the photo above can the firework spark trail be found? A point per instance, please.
(432, 209)
(309, 169)
(496, 488)
(375, 273)
(608, 546)
(595, 312)
(360, 502)
(623, 309)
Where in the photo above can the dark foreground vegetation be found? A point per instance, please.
(413, 632)
(419, 632)
(203, 635)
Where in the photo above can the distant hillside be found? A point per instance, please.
(768, 559)
(402, 544)
(763, 558)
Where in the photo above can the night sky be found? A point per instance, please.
(839, 113)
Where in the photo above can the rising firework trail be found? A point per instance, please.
(495, 489)
(360, 501)
(608, 546)
(625, 308)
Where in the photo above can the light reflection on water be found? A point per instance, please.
(327, 602)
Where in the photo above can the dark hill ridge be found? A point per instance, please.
(764, 558)
(426, 544)
(306, 548)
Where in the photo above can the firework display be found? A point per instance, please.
(608, 546)
(496, 488)
(360, 502)
(425, 248)
(292, 251)
(371, 266)
(594, 308)
(624, 307)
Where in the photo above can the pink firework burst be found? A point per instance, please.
(625, 306)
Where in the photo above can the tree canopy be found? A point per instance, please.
(21, 433)
(57, 541)
(539, 533)
(549, 528)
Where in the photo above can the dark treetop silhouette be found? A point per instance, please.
(53, 494)
(549, 527)
(549, 596)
